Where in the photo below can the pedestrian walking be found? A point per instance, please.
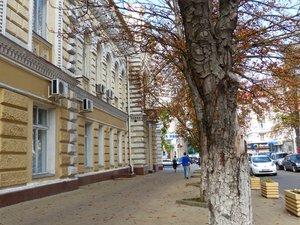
(174, 163)
(186, 161)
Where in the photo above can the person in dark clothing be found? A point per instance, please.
(174, 163)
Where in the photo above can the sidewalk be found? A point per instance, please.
(142, 200)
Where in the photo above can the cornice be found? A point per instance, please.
(15, 53)
(22, 56)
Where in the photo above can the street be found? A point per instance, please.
(286, 180)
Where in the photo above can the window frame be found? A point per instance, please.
(48, 163)
(35, 17)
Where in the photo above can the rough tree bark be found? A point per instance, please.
(214, 86)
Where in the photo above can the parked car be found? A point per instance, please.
(167, 162)
(179, 161)
(278, 157)
(291, 162)
(261, 164)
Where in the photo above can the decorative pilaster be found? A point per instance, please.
(58, 31)
(3, 6)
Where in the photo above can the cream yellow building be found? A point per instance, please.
(65, 120)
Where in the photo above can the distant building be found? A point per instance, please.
(260, 136)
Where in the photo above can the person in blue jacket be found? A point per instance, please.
(186, 161)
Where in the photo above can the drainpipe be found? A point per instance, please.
(129, 121)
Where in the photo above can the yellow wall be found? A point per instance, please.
(103, 117)
(17, 23)
(15, 142)
(18, 78)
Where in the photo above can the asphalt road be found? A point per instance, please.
(286, 180)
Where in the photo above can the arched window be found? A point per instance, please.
(108, 70)
(123, 74)
(99, 64)
(116, 77)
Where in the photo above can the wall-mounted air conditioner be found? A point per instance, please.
(100, 89)
(87, 105)
(110, 94)
(59, 89)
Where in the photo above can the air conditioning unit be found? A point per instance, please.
(110, 94)
(87, 105)
(100, 89)
(59, 89)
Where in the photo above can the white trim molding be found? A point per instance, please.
(58, 30)
(3, 7)
(30, 25)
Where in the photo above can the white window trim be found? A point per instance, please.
(3, 16)
(58, 38)
(31, 25)
(86, 57)
(46, 19)
(50, 151)
(99, 64)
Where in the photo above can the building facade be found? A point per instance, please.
(260, 136)
(65, 117)
(146, 135)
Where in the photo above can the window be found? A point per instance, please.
(108, 71)
(116, 79)
(86, 54)
(99, 64)
(43, 144)
(40, 17)
(88, 145)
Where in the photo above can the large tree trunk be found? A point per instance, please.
(214, 87)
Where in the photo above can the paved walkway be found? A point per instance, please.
(142, 200)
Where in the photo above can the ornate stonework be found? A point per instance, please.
(17, 54)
